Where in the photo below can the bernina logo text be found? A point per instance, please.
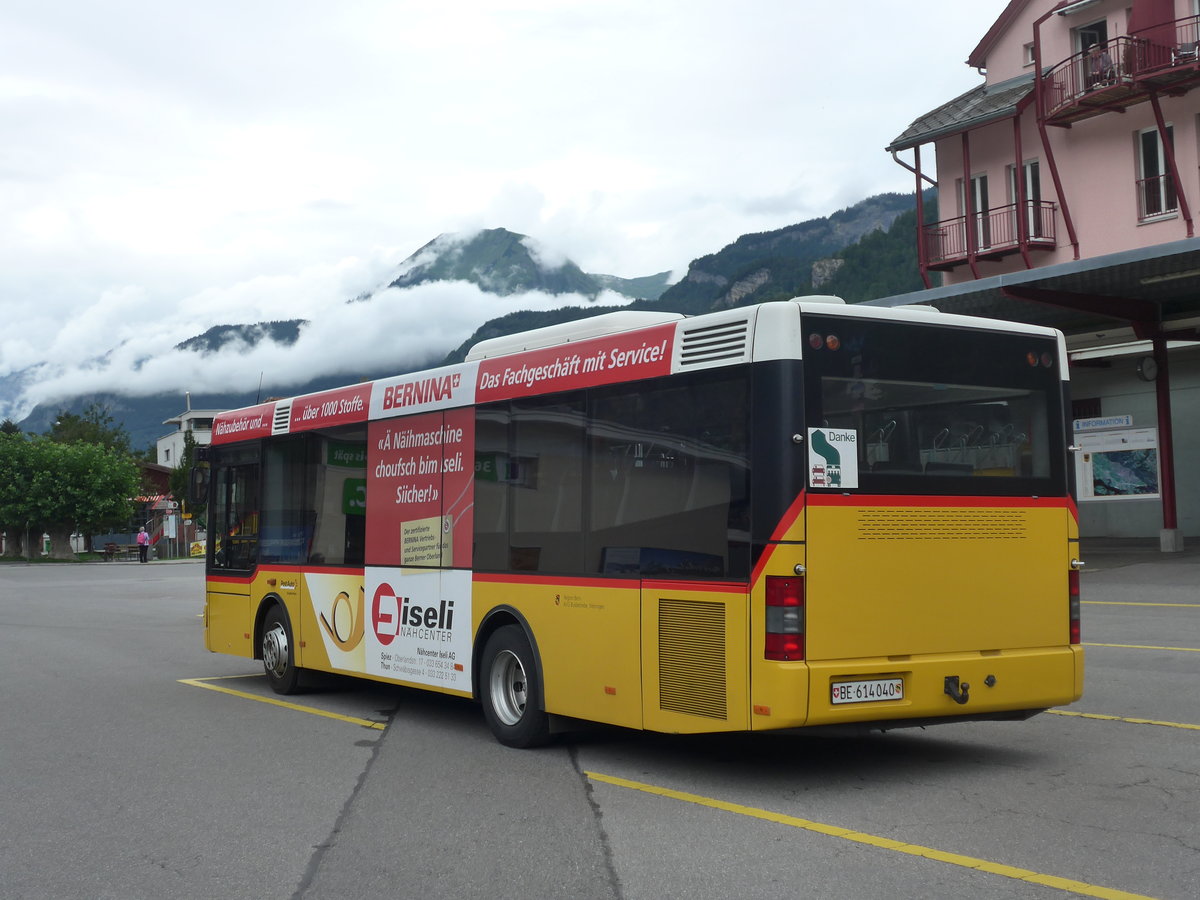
(426, 390)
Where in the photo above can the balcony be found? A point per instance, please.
(1124, 73)
(994, 235)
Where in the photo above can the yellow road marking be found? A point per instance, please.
(955, 859)
(1130, 720)
(1145, 647)
(312, 710)
(1135, 603)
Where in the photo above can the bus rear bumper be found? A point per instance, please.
(926, 689)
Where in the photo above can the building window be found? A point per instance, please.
(1086, 35)
(981, 222)
(1086, 408)
(1028, 54)
(1155, 189)
(1032, 188)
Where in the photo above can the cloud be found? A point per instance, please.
(393, 330)
(544, 255)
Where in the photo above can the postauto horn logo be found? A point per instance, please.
(345, 623)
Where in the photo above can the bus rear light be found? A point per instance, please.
(785, 618)
(784, 646)
(1073, 601)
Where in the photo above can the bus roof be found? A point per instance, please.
(625, 345)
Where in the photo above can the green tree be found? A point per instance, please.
(94, 426)
(149, 454)
(8, 426)
(57, 489)
(81, 487)
(16, 471)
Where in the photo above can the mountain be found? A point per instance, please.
(286, 332)
(503, 262)
(775, 265)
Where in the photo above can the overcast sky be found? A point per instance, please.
(166, 167)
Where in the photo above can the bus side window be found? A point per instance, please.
(491, 487)
(546, 484)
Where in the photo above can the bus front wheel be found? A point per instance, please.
(278, 653)
(510, 690)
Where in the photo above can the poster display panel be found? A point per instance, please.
(1118, 465)
(419, 489)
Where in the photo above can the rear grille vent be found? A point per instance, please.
(721, 343)
(942, 524)
(691, 658)
(283, 417)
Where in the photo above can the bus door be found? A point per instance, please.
(233, 528)
(695, 676)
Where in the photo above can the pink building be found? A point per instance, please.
(1067, 183)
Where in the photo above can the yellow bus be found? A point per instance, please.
(796, 514)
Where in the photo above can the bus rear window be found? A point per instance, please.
(938, 412)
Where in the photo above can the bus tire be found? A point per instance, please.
(510, 689)
(279, 653)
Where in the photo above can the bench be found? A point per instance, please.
(120, 551)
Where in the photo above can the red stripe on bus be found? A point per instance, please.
(765, 559)
(230, 579)
(551, 580)
(710, 587)
(789, 518)
(959, 501)
(264, 571)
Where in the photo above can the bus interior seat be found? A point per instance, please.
(949, 468)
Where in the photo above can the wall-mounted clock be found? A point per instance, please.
(1147, 368)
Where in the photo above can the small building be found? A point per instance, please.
(197, 422)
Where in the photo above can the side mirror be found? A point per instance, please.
(198, 485)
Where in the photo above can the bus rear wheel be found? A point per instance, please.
(278, 653)
(510, 690)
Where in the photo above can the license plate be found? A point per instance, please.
(866, 691)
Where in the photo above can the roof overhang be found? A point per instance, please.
(1134, 293)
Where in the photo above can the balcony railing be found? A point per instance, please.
(1167, 45)
(1089, 74)
(995, 234)
(1115, 75)
(1156, 197)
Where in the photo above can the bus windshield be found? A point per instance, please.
(968, 412)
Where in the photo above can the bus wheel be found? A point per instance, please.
(510, 690)
(279, 659)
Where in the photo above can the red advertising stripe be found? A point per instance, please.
(341, 406)
(243, 424)
(633, 355)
